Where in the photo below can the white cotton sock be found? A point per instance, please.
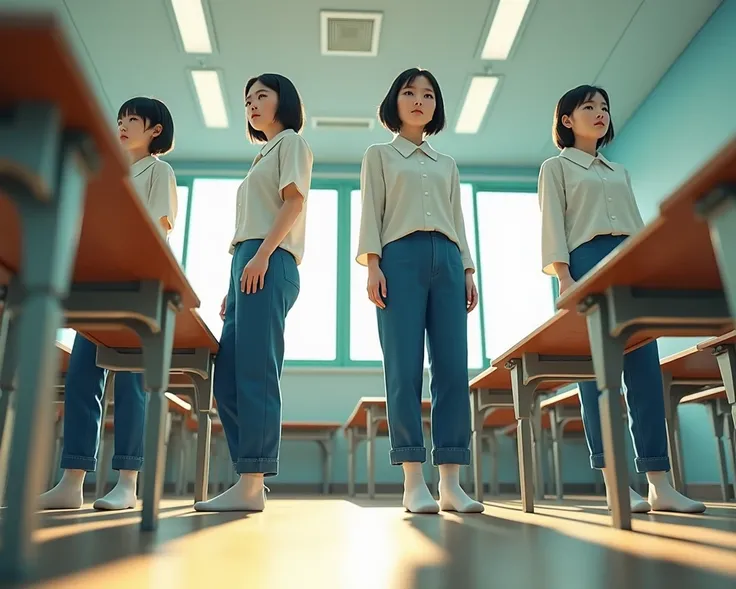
(452, 495)
(248, 494)
(637, 502)
(664, 497)
(123, 495)
(68, 494)
(417, 498)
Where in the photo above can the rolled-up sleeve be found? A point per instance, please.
(373, 195)
(163, 199)
(295, 165)
(552, 204)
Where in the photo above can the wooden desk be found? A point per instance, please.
(711, 195)
(368, 420)
(723, 348)
(663, 281)
(554, 355)
(192, 359)
(59, 163)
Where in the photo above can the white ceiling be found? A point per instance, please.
(131, 47)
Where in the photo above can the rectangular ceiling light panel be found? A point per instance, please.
(504, 28)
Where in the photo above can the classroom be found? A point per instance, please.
(403, 295)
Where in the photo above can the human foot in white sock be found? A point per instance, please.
(417, 498)
(248, 494)
(637, 502)
(663, 497)
(452, 496)
(67, 494)
(123, 495)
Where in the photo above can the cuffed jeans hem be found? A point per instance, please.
(597, 461)
(268, 466)
(127, 463)
(78, 463)
(642, 464)
(661, 464)
(401, 455)
(450, 456)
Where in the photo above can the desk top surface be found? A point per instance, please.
(118, 242)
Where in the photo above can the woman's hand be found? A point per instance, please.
(471, 292)
(254, 274)
(565, 283)
(376, 286)
(222, 308)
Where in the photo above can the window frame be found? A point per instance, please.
(344, 184)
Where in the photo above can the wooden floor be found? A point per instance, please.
(304, 543)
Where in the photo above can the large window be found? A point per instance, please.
(364, 343)
(517, 296)
(311, 327)
(312, 323)
(333, 309)
(211, 229)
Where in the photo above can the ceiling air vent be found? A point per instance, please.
(350, 33)
(342, 123)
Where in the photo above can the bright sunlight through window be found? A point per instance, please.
(311, 324)
(517, 296)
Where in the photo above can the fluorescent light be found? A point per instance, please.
(192, 25)
(504, 28)
(211, 101)
(476, 102)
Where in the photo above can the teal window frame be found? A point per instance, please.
(346, 182)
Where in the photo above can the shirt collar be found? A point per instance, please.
(582, 158)
(275, 141)
(406, 147)
(142, 165)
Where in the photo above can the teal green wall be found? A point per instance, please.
(684, 121)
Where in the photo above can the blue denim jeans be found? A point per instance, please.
(642, 377)
(425, 283)
(83, 393)
(248, 366)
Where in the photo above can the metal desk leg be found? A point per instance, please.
(50, 211)
(8, 369)
(185, 440)
(671, 402)
(556, 431)
(730, 441)
(538, 455)
(608, 361)
(371, 451)
(719, 208)
(157, 350)
(325, 452)
(203, 403)
(726, 357)
(350, 434)
(330, 450)
(102, 464)
(523, 396)
(717, 423)
(478, 417)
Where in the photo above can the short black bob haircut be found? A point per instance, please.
(153, 112)
(290, 110)
(572, 99)
(388, 112)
